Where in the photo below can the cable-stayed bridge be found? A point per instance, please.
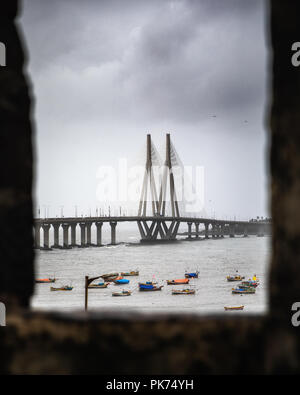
(161, 211)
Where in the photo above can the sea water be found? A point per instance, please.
(214, 258)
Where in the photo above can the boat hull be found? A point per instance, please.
(236, 278)
(121, 293)
(170, 282)
(121, 282)
(243, 291)
(97, 286)
(46, 281)
(151, 289)
(189, 292)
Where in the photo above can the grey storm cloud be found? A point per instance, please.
(107, 71)
(169, 59)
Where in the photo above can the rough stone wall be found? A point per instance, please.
(16, 255)
(285, 159)
(45, 343)
(134, 344)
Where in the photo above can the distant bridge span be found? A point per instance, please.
(153, 227)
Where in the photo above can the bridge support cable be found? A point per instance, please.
(168, 171)
(149, 180)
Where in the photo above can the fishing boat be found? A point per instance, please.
(192, 275)
(149, 287)
(243, 290)
(250, 283)
(64, 288)
(121, 281)
(235, 278)
(148, 283)
(98, 286)
(183, 292)
(123, 293)
(234, 308)
(178, 282)
(45, 280)
(132, 273)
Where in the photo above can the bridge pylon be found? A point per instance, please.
(148, 181)
(158, 228)
(168, 174)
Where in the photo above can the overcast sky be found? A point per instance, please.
(107, 72)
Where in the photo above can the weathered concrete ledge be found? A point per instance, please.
(107, 343)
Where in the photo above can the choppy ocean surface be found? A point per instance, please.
(214, 258)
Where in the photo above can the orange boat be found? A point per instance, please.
(45, 280)
(234, 308)
(178, 282)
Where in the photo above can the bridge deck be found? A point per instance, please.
(141, 218)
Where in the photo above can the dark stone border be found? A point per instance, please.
(51, 343)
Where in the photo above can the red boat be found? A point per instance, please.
(45, 280)
(178, 282)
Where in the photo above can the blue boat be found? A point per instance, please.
(149, 287)
(121, 281)
(148, 283)
(146, 286)
(192, 275)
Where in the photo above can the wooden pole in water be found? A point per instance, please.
(86, 293)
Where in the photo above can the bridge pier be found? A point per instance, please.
(56, 235)
(170, 232)
(206, 230)
(189, 230)
(245, 232)
(222, 231)
(82, 234)
(231, 231)
(260, 232)
(46, 228)
(37, 236)
(73, 235)
(174, 230)
(113, 226)
(88, 234)
(197, 229)
(66, 236)
(99, 233)
(214, 231)
(156, 229)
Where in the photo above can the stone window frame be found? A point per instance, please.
(57, 343)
